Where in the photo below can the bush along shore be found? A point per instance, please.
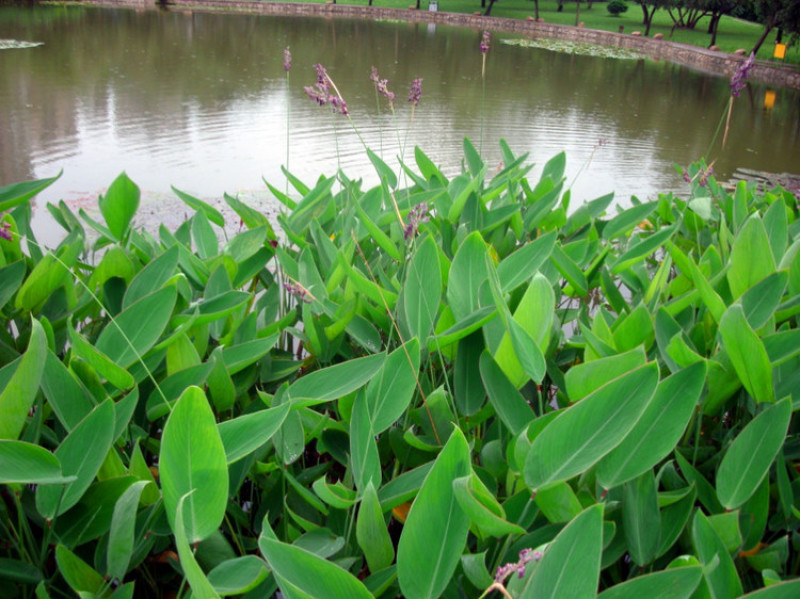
(458, 387)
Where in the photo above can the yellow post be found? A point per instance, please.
(769, 99)
(780, 51)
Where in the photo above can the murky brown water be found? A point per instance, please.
(200, 101)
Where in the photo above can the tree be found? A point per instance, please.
(783, 14)
(718, 8)
(649, 8)
(687, 13)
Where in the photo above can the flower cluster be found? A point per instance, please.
(382, 85)
(703, 175)
(525, 556)
(287, 59)
(415, 94)
(486, 39)
(739, 79)
(418, 214)
(320, 92)
(5, 231)
(297, 290)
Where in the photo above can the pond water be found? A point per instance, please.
(200, 101)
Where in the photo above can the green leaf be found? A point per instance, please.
(783, 590)
(119, 204)
(641, 250)
(641, 519)
(658, 430)
(247, 433)
(211, 213)
(120, 535)
(677, 583)
(201, 587)
(482, 508)
(468, 271)
(301, 573)
(422, 290)
(192, 459)
(81, 453)
(238, 575)
(751, 454)
(11, 278)
(521, 265)
(335, 381)
(137, 328)
(205, 239)
(625, 221)
(585, 377)
(79, 575)
(751, 257)
(585, 432)
(390, 391)
(570, 566)
(747, 353)
(152, 277)
(570, 270)
(762, 299)
(26, 463)
(424, 568)
(102, 364)
(19, 193)
(719, 569)
(371, 532)
(363, 448)
(17, 397)
(511, 407)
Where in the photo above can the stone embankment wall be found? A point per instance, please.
(691, 56)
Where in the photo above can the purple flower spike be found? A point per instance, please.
(415, 94)
(5, 231)
(373, 75)
(382, 85)
(418, 215)
(287, 59)
(322, 76)
(739, 79)
(486, 39)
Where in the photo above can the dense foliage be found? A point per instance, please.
(444, 387)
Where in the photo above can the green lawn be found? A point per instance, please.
(733, 33)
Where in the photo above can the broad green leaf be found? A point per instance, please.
(422, 290)
(363, 448)
(468, 271)
(17, 397)
(747, 354)
(390, 391)
(19, 193)
(81, 454)
(105, 367)
(11, 278)
(201, 588)
(192, 459)
(403, 488)
(521, 265)
(79, 575)
(371, 532)
(68, 399)
(658, 430)
(570, 271)
(634, 329)
(120, 535)
(381, 238)
(205, 238)
(625, 221)
(47, 276)
(751, 257)
(762, 299)
(424, 568)
(335, 494)
(15, 570)
(119, 204)
(585, 377)
(211, 213)
(238, 575)
(570, 566)
(301, 573)
(641, 519)
(638, 251)
(152, 277)
(751, 454)
(247, 433)
(712, 300)
(674, 518)
(312, 205)
(335, 381)
(511, 407)
(26, 463)
(558, 502)
(482, 508)
(677, 583)
(468, 391)
(719, 571)
(583, 433)
(137, 328)
(461, 329)
(240, 356)
(782, 590)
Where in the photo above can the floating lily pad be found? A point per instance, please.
(11, 44)
(578, 48)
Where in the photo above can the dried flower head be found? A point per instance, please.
(287, 59)
(297, 290)
(320, 92)
(486, 39)
(525, 557)
(415, 94)
(739, 79)
(419, 214)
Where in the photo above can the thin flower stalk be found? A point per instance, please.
(485, 44)
(738, 83)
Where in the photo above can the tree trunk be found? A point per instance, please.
(536, 8)
(578, 13)
(489, 10)
(768, 26)
(713, 28)
(560, 6)
(648, 21)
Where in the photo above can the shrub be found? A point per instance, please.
(617, 7)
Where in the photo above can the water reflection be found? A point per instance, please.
(201, 101)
